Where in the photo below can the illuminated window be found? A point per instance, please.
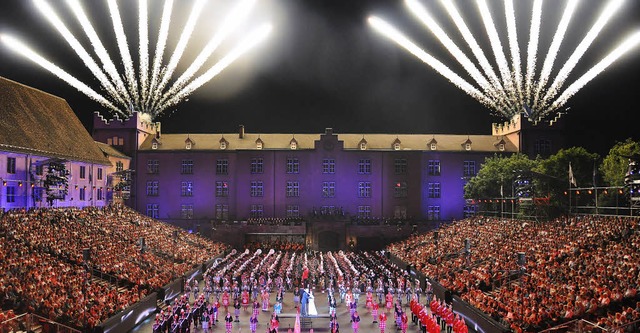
(257, 188)
(433, 168)
(153, 210)
(154, 145)
(328, 189)
(186, 189)
(364, 189)
(328, 165)
(83, 172)
(293, 165)
(293, 144)
(293, 189)
(433, 146)
(222, 189)
(82, 194)
(152, 188)
(11, 194)
(469, 168)
(186, 167)
(222, 167)
(257, 165)
(433, 190)
(364, 166)
(11, 165)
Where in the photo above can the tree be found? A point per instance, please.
(615, 164)
(497, 172)
(553, 173)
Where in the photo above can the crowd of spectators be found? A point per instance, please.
(577, 267)
(275, 221)
(42, 268)
(280, 245)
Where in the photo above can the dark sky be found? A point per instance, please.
(324, 67)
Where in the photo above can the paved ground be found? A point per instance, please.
(287, 318)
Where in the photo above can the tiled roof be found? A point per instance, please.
(110, 151)
(445, 142)
(35, 122)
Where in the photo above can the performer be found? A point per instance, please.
(265, 300)
(204, 319)
(334, 326)
(274, 323)
(277, 308)
(353, 307)
(389, 301)
(253, 322)
(245, 300)
(355, 322)
(374, 311)
(383, 321)
(369, 301)
(216, 308)
(236, 311)
(404, 322)
(304, 303)
(256, 307)
(348, 298)
(225, 301)
(228, 322)
(332, 304)
(296, 297)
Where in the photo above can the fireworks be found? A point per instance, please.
(511, 89)
(150, 87)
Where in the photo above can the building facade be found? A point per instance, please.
(47, 158)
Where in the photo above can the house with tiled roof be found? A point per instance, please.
(47, 157)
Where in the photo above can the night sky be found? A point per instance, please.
(323, 66)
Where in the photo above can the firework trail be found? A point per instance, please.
(509, 93)
(148, 87)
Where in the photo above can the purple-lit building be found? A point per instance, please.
(197, 178)
(41, 137)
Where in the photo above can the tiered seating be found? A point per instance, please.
(42, 268)
(576, 267)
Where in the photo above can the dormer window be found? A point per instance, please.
(363, 144)
(467, 145)
(223, 144)
(396, 144)
(293, 144)
(432, 144)
(154, 145)
(188, 145)
(259, 144)
(501, 147)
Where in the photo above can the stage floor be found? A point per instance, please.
(319, 323)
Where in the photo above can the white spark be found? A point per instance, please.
(143, 28)
(163, 35)
(121, 39)
(554, 48)
(28, 53)
(513, 45)
(253, 39)
(180, 48)
(608, 12)
(627, 45)
(389, 31)
(496, 45)
(235, 17)
(532, 49)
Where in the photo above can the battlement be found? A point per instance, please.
(137, 120)
(508, 127)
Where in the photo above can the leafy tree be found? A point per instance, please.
(497, 172)
(615, 165)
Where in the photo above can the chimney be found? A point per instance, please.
(241, 132)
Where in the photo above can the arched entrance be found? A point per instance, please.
(328, 241)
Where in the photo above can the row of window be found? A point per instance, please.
(328, 166)
(222, 211)
(11, 169)
(400, 189)
(38, 194)
(293, 211)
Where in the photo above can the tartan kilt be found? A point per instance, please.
(256, 311)
(382, 325)
(374, 313)
(228, 325)
(253, 326)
